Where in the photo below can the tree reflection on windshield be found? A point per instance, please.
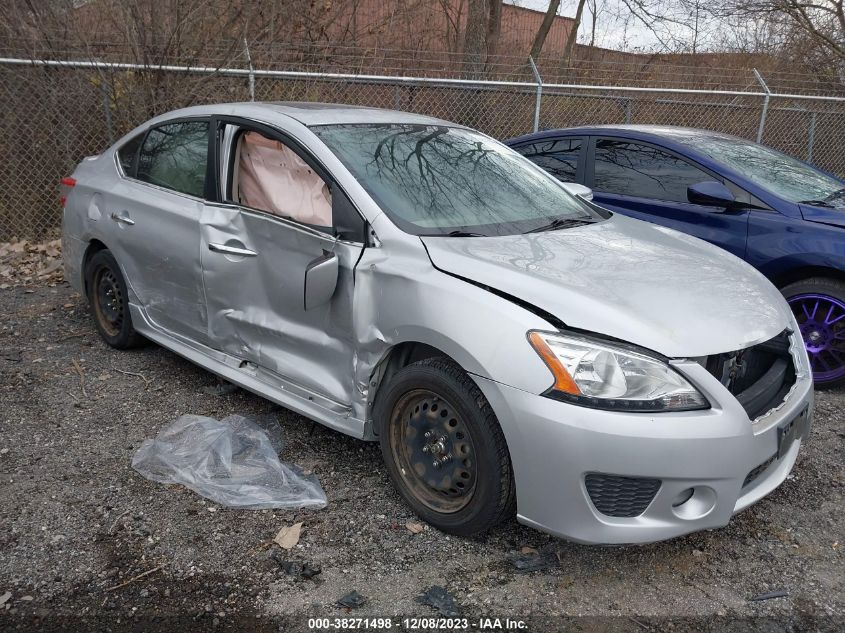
(433, 179)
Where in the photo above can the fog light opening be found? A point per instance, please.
(683, 497)
(694, 503)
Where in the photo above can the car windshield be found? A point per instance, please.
(439, 180)
(784, 176)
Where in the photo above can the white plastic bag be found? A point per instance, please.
(231, 461)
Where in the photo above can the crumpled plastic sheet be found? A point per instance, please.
(233, 461)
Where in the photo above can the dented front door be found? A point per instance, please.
(254, 267)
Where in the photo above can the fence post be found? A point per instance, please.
(812, 140)
(763, 114)
(107, 109)
(539, 98)
(251, 72)
(627, 111)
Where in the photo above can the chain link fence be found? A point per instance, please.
(57, 112)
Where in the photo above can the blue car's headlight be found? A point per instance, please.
(601, 375)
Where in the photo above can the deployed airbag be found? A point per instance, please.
(272, 177)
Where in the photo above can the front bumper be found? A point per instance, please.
(555, 445)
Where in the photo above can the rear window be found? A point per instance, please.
(127, 155)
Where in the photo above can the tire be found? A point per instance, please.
(109, 301)
(472, 489)
(818, 304)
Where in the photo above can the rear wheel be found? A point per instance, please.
(818, 304)
(444, 449)
(109, 302)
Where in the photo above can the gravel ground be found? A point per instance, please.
(79, 526)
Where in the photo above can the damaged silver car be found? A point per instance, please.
(399, 278)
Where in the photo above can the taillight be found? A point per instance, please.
(64, 183)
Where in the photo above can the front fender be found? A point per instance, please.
(400, 297)
(787, 268)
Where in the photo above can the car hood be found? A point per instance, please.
(631, 280)
(824, 215)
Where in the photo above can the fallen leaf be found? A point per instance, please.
(352, 600)
(414, 528)
(528, 550)
(441, 600)
(288, 536)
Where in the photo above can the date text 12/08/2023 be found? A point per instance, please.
(417, 624)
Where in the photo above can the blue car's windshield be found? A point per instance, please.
(439, 180)
(784, 176)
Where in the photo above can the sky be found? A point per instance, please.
(613, 31)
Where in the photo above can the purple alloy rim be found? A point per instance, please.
(821, 319)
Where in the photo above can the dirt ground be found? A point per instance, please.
(88, 544)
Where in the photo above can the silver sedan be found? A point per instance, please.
(513, 347)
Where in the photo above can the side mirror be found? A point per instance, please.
(711, 194)
(578, 190)
(320, 280)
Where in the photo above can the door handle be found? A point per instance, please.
(231, 250)
(123, 219)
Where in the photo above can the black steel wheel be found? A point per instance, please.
(434, 450)
(443, 447)
(108, 300)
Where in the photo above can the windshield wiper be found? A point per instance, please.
(817, 203)
(827, 200)
(459, 233)
(560, 223)
(840, 193)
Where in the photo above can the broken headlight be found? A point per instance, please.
(602, 375)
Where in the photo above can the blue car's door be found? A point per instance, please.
(650, 183)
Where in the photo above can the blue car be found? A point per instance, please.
(782, 216)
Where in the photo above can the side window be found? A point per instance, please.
(127, 155)
(634, 169)
(174, 156)
(559, 157)
(269, 176)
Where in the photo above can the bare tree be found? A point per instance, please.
(484, 23)
(545, 26)
(573, 35)
(822, 21)
(593, 6)
(494, 27)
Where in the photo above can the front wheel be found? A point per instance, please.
(818, 304)
(444, 449)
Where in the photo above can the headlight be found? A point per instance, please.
(604, 376)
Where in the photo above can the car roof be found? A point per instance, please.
(643, 132)
(309, 113)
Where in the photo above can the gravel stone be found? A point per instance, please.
(65, 470)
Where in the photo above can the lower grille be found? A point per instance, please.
(617, 496)
(759, 376)
(757, 471)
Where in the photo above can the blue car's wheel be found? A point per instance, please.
(819, 307)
